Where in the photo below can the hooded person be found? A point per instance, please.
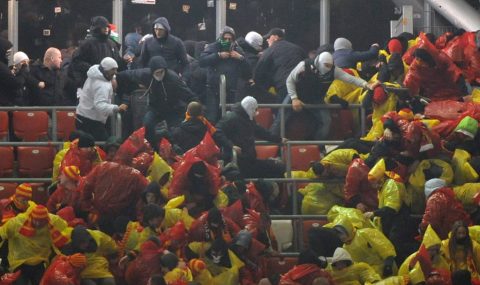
(96, 99)
(442, 209)
(239, 130)
(93, 50)
(31, 236)
(345, 57)
(367, 245)
(9, 82)
(346, 272)
(308, 83)
(83, 154)
(96, 246)
(252, 45)
(222, 262)
(152, 219)
(165, 90)
(464, 136)
(17, 203)
(224, 56)
(166, 45)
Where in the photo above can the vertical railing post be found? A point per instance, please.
(54, 124)
(363, 123)
(282, 121)
(118, 129)
(223, 94)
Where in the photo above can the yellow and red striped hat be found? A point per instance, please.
(40, 212)
(24, 190)
(72, 172)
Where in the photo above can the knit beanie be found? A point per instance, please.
(40, 212)
(342, 43)
(72, 172)
(406, 114)
(24, 190)
(250, 105)
(108, 63)
(395, 45)
(255, 40)
(196, 265)
(467, 126)
(432, 185)
(20, 56)
(77, 260)
(86, 140)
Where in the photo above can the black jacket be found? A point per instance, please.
(9, 83)
(170, 48)
(164, 96)
(190, 133)
(91, 52)
(54, 92)
(232, 68)
(276, 63)
(251, 54)
(239, 130)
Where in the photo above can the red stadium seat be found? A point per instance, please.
(6, 161)
(7, 189)
(302, 155)
(300, 126)
(39, 193)
(3, 125)
(279, 265)
(267, 151)
(35, 161)
(264, 117)
(65, 124)
(344, 127)
(307, 225)
(30, 125)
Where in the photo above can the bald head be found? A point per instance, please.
(195, 109)
(52, 58)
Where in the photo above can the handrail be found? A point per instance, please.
(47, 143)
(38, 108)
(306, 106)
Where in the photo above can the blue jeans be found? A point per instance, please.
(322, 118)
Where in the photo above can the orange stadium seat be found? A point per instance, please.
(35, 161)
(280, 265)
(6, 161)
(30, 125)
(7, 189)
(302, 155)
(267, 151)
(3, 125)
(65, 124)
(264, 117)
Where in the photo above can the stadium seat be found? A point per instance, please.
(7, 189)
(344, 128)
(6, 161)
(306, 226)
(283, 231)
(264, 117)
(300, 126)
(302, 155)
(65, 124)
(35, 161)
(280, 265)
(3, 125)
(267, 151)
(30, 125)
(39, 193)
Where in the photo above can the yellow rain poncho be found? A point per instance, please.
(178, 274)
(392, 195)
(97, 263)
(130, 238)
(367, 245)
(459, 262)
(464, 172)
(318, 198)
(466, 194)
(157, 170)
(173, 214)
(29, 250)
(58, 160)
(430, 238)
(357, 273)
(355, 216)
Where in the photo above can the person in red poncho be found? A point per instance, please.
(83, 154)
(434, 76)
(249, 251)
(358, 191)
(66, 193)
(65, 269)
(308, 271)
(442, 209)
(16, 204)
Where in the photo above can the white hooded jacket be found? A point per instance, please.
(96, 97)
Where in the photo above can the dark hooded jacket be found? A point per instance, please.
(164, 96)
(251, 54)
(92, 51)
(170, 48)
(9, 83)
(232, 68)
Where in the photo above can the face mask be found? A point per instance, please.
(462, 241)
(225, 45)
(159, 75)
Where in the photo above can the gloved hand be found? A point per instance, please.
(388, 266)
(337, 100)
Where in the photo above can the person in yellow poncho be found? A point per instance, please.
(96, 246)
(367, 245)
(460, 251)
(432, 243)
(175, 270)
(346, 272)
(153, 216)
(31, 237)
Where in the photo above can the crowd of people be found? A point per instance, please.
(170, 204)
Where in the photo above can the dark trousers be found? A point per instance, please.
(95, 128)
(31, 274)
(152, 118)
(261, 168)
